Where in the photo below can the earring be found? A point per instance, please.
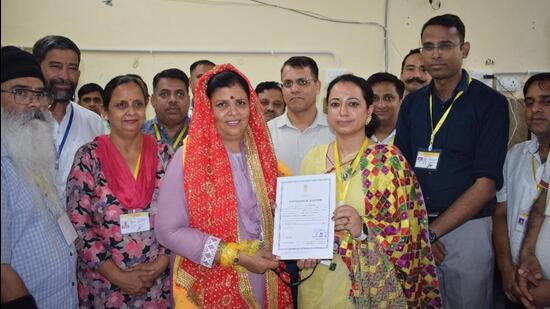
(369, 118)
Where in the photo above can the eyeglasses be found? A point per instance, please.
(301, 82)
(443, 47)
(25, 96)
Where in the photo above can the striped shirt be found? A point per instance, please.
(32, 241)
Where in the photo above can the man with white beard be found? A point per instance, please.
(38, 256)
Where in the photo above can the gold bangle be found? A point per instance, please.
(249, 247)
(229, 254)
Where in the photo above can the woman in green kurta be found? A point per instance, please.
(382, 257)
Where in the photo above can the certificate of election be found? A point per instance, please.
(303, 217)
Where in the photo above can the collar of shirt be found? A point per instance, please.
(283, 121)
(533, 149)
(463, 85)
(149, 126)
(384, 141)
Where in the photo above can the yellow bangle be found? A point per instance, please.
(229, 254)
(249, 247)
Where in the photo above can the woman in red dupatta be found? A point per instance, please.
(110, 194)
(215, 202)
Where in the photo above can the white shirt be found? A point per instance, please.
(85, 127)
(291, 145)
(546, 179)
(519, 189)
(387, 141)
(542, 250)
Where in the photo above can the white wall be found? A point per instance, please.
(513, 33)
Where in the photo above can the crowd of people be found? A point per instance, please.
(102, 208)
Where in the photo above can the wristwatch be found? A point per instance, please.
(433, 236)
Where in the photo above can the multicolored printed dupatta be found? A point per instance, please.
(212, 204)
(398, 224)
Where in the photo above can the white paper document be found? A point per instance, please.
(303, 217)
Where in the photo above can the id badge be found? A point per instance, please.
(67, 228)
(522, 222)
(134, 222)
(427, 160)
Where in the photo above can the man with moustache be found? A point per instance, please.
(455, 133)
(59, 59)
(413, 71)
(523, 169)
(170, 100)
(38, 258)
(271, 98)
(302, 126)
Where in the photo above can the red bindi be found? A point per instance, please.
(232, 97)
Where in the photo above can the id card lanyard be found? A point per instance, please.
(534, 170)
(64, 139)
(341, 185)
(135, 172)
(178, 138)
(443, 118)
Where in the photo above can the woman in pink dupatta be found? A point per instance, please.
(110, 192)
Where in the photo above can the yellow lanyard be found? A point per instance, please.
(341, 185)
(178, 138)
(443, 118)
(533, 168)
(136, 168)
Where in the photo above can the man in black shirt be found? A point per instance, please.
(455, 132)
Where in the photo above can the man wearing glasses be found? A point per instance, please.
(59, 59)
(38, 259)
(302, 126)
(455, 132)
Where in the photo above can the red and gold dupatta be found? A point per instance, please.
(212, 204)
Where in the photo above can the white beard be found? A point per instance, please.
(28, 138)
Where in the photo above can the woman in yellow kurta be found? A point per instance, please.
(382, 256)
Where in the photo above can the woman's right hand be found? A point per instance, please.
(259, 262)
(130, 282)
(307, 263)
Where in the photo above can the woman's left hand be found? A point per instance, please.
(348, 219)
(155, 268)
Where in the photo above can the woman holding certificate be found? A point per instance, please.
(382, 256)
(110, 193)
(215, 202)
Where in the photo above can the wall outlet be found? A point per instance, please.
(333, 73)
(509, 83)
(479, 75)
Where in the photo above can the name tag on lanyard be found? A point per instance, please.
(427, 159)
(134, 222)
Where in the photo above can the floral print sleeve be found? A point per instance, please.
(81, 208)
(95, 213)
